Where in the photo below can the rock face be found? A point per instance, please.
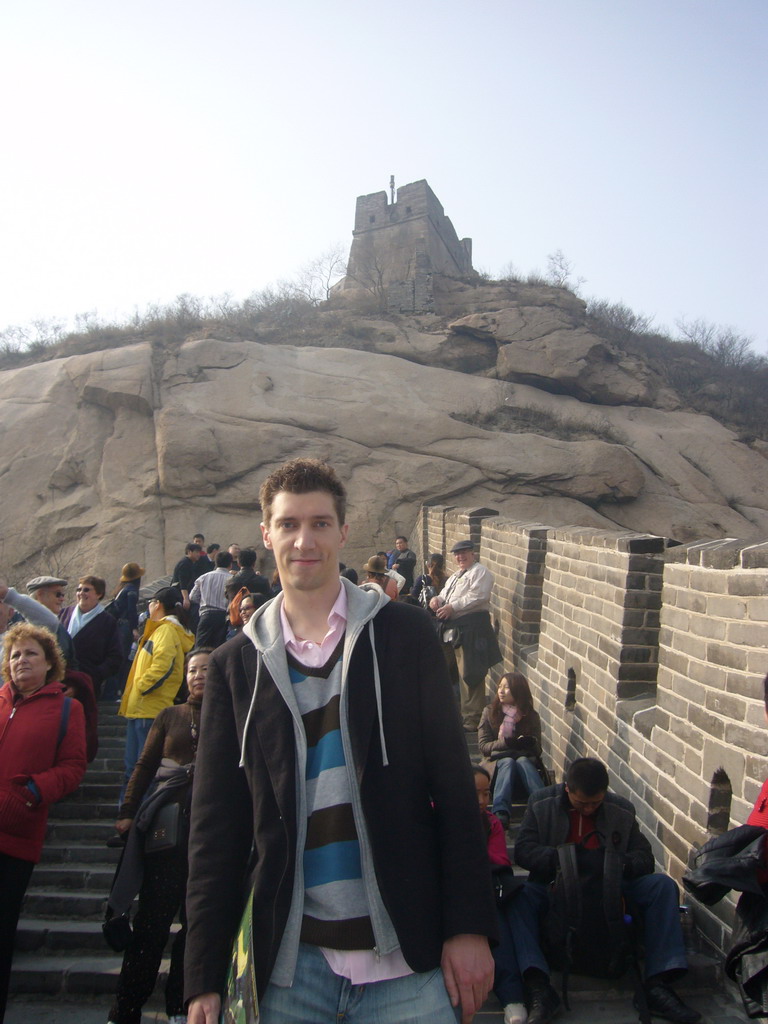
(548, 348)
(124, 454)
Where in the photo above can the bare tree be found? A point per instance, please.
(724, 344)
(619, 316)
(65, 561)
(223, 307)
(559, 270)
(370, 274)
(316, 278)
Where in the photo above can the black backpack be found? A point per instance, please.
(586, 929)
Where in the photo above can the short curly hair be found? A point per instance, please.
(302, 476)
(22, 632)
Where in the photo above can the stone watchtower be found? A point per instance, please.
(399, 247)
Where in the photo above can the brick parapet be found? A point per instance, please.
(667, 649)
(515, 552)
(465, 524)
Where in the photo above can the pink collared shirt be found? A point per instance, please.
(308, 652)
(359, 966)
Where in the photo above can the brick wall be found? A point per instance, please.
(650, 658)
(709, 713)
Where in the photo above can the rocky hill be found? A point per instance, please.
(505, 398)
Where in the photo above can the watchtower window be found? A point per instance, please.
(372, 219)
(408, 210)
(570, 692)
(719, 810)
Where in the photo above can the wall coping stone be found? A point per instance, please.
(724, 553)
(538, 530)
(692, 553)
(727, 555)
(755, 556)
(478, 513)
(618, 540)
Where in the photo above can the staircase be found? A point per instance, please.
(60, 950)
(62, 963)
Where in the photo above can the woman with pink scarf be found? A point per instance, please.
(509, 736)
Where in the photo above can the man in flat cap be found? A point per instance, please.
(41, 608)
(463, 608)
(50, 591)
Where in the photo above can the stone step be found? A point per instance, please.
(86, 810)
(76, 875)
(113, 761)
(109, 744)
(99, 792)
(92, 831)
(80, 853)
(104, 776)
(63, 976)
(73, 905)
(110, 720)
(104, 762)
(48, 936)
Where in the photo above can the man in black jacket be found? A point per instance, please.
(333, 786)
(187, 570)
(569, 813)
(248, 577)
(404, 562)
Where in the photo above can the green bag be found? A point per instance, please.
(241, 1002)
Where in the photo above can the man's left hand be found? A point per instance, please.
(468, 972)
(445, 611)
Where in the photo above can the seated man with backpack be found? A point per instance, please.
(587, 842)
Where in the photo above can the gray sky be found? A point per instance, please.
(158, 147)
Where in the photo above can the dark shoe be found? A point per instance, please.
(503, 818)
(544, 1004)
(117, 841)
(665, 1003)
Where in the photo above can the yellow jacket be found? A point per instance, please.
(158, 668)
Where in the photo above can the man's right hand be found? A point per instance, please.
(204, 1009)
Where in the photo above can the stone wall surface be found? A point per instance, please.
(646, 656)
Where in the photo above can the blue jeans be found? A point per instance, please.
(518, 947)
(318, 996)
(508, 770)
(507, 977)
(136, 733)
(653, 899)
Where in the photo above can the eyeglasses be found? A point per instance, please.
(59, 593)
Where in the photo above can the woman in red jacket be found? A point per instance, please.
(42, 758)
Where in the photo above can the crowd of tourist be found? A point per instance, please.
(297, 786)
